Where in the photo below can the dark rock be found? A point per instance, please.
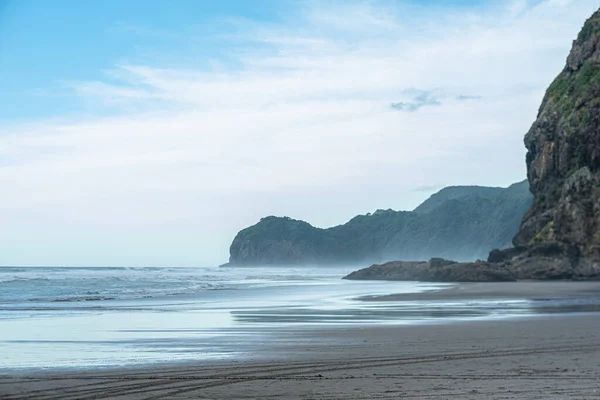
(553, 250)
(436, 270)
(498, 256)
(541, 268)
(440, 262)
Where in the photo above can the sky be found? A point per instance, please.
(148, 133)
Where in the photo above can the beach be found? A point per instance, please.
(535, 356)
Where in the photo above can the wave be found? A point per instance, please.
(57, 284)
(9, 279)
(86, 298)
(276, 277)
(64, 284)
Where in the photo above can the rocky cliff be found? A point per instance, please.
(563, 153)
(460, 222)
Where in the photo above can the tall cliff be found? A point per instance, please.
(461, 222)
(563, 158)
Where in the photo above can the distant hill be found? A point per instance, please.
(456, 193)
(460, 223)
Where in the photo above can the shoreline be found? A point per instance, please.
(530, 290)
(530, 357)
(540, 358)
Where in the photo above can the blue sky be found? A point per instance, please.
(45, 45)
(150, 132)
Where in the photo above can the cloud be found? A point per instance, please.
(465, 97)
(421, 100)
(517, 7)
(293, 119)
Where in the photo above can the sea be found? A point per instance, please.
(93, 317)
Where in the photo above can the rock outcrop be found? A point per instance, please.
(544, 261)
(435, 270)
(460, 222)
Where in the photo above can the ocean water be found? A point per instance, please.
(54, 317)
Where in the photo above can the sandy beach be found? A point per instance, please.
(535, 357)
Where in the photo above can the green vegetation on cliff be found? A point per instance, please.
(462, 222)
(563, 158)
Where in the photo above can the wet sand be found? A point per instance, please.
(532, 290)
(537, 357)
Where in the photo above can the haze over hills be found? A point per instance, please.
(459, 222)
(559, 237)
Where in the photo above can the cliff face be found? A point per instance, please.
(563, 158)
(462, 223)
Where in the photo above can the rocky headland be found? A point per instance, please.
(559, 237)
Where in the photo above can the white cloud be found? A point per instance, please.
(302, 127)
